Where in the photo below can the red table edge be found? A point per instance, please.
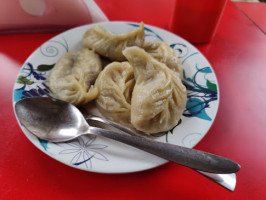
(238, 5)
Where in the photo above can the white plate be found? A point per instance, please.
(103, 155)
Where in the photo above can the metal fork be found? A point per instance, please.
(226, 180)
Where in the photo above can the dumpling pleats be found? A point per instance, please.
(73, 76)
(111, 45)
(115, 84)
(162, 52)
(159, 97)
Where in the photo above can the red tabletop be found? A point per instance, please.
(238, 56)
(255, 12)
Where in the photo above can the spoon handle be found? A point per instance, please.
(192, 158)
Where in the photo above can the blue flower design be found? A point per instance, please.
(84, 150)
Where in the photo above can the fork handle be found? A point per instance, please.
(226, 180)
(192, 158)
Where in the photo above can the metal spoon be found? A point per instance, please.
(59, 121)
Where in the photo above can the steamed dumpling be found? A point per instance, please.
(115, 84)
(73, 76)
(111, 45)
(159, 97)
(162, 52)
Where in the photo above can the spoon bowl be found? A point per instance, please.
(46, 120)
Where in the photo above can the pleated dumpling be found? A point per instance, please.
(111, 45)
(159, 97)
(73, 76)
(162, 52)
(115, 84)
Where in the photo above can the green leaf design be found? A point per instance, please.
(43, 68)
(211, 86)
(23, 80)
